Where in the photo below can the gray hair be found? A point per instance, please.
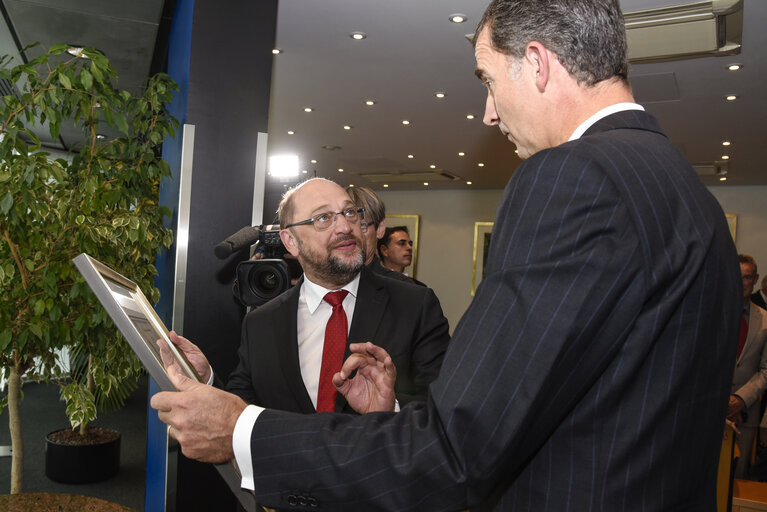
(587, 36)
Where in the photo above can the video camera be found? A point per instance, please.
(258, 281)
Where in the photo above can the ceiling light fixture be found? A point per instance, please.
(305, 171)
(358, 36)
(458, 18)
(469, 116)
(468, 183)
(725, 157)
(351, 185)
(731, 97)
(735, 67)
(439, 95)
(405, 122)
(340, 170)
(726, 143)
(101, 136)
(410, 156)
(314, 161)
(386, 185)
(425, 183)
(480, 164)
(370, 103)
(283, 166)
(461, 153)
(432, 166)
(276, 51)
(347, 127)
(76, 50)
(291, 132)
(723, 178)
(308, 109)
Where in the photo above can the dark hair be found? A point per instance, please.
(587, 36)
(375, 210)
(386, 238)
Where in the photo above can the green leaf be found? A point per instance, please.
(64, 79)
(58, 48)
(30, 265)
(36, 330)
(80, 219)
(86, 79)
(5, 338)
(6, 203)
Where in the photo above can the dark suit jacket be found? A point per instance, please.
(757, 299)
(591, 371)
(403, 318)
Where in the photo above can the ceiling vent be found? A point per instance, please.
(408, 176)
(718, 168)
(713, 27)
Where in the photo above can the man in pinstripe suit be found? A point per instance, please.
(592, 369)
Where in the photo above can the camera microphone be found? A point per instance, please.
(243, 238)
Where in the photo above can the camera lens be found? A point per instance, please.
(267, 281)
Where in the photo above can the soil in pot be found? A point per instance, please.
(74, 459)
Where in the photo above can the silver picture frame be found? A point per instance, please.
(141, 327)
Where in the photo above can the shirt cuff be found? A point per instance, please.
(210, 379)
(241, 444)
(396, 405)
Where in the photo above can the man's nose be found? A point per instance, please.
(491, 115)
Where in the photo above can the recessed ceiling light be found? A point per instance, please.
(480, 164)
(735, 67)
(432, 166)
(410, 156)
(314, 161)
(468, 183)
(276, 51)
(726, 143)
(283, 165)
(439, 95)
(405, 122)
(305, 171)
(731, 97)
(340, 170)
(469, 116)
(725, 157)
(458, 18)
(331, 147)
(461, 153)
(308, 109)
(358, 36)
(425, 183)
(370, 103)
(723, 178)
(347, 127)
(291, 132)
(386, 185)
(351, 184)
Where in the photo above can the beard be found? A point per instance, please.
(329, 267)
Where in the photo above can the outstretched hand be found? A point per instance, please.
(193, 354)
(372, 389)
(201, 418)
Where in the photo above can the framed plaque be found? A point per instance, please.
(139, 323)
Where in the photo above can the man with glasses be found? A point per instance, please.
(750, 378)
(282, 357)
(373, 227)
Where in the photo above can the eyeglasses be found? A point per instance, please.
(323, 221)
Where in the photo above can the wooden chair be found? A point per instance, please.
(725, 479)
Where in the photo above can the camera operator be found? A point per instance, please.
(285, 354)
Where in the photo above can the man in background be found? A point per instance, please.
(750, 378)
(373, 227)
(592, 369)
(396, 248)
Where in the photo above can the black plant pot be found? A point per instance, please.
(81, 463)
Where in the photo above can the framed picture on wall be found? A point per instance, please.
(482, 234)
(732, 221)
(412, 222)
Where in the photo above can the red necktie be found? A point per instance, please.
(743, 334)
(332, 351)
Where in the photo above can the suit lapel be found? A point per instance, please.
(286, 337)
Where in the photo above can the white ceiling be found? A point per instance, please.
(411, 52)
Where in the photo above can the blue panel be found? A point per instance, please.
(180, 43)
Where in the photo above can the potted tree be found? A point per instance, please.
(103, 200)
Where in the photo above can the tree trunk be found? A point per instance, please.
(14, 425)
(90, 385)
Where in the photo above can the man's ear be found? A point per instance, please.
(289, 241)
(539, 60)
(381, 229)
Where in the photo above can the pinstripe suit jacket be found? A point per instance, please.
(591, 371)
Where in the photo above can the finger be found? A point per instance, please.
(161, 402)
(375, 351)
(178, 379)
(353, 362)
(165, 355)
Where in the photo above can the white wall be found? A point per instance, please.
(446, 238)
(750, 205)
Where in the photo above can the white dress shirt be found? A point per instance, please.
(312, 317)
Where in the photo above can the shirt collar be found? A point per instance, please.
(612, 109)
(314, 293)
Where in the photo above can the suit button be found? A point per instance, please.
(312, 502)
(292, 500)
(302, 501)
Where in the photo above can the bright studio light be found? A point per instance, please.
(283, 166)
